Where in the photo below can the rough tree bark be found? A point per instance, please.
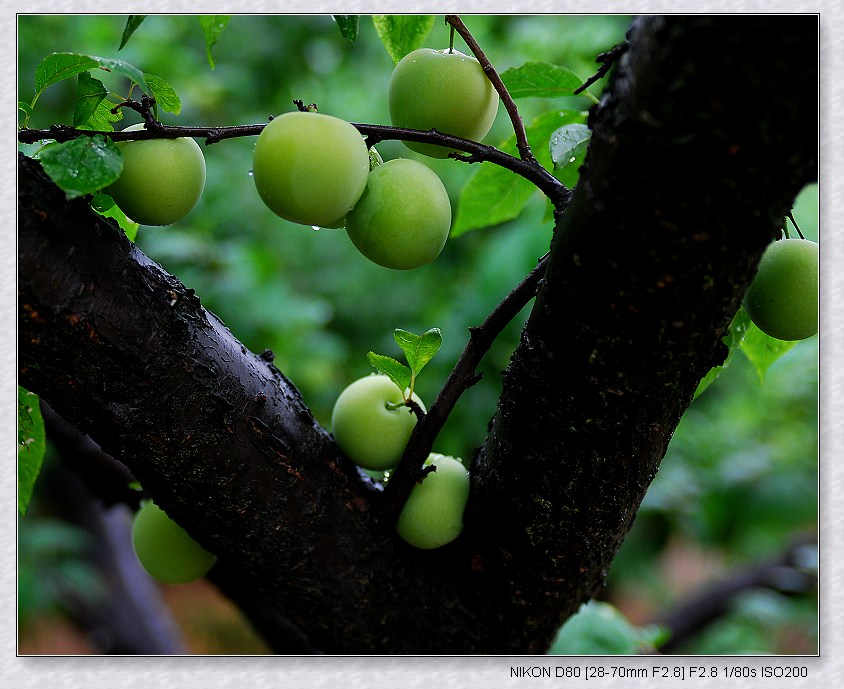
(705, 135)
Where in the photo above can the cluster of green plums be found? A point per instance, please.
(165, 550)
(314, 169)
(782, 300)
(372, 425)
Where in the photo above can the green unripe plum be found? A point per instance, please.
(443, 90)
(165, 550)
(782, 300)
(433, 513)
(310, 168)
(403, 219)
(371, 424)
(161, 181)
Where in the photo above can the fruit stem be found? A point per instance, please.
(509, 104)
(796, 226)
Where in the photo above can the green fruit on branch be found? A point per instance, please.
(310, 168)
(443, 90)
(371, 423)
(433, 513)
(161, 181)
(782, 300)
(165, 550)
(403, 219)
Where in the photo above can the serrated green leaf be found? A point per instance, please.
(762, 350)
(31, 446)
(419, 350)
(57, 67)
(165, 95)
(213, 26)
(103, 119)
(733, 338)
(348, 25)
(83, 165)
(394, 370)
(90, 93)
(494, 195)
(567, 143)
(402, 33)
(132, 23)
(540, 80)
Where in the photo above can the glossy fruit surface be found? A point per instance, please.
(310, 168)
(371, 424)
(165, 550)
(403, 219)
(433, 513)
(782, 300)
(161, 181)
(442, 90)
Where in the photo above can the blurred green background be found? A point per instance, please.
(740, 478)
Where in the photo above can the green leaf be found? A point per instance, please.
(601, 629)
(83, 165)
(213, 26)
(105, 206)
(419, 350)
(762, 350)
(103, 119)
(494, 195)
(165, 95)
(132, 23)
(31, 446)
(394, 370)
(90, 93)
(59, 66)
(132, 73)
(402, 33)
(540, 80)
(733, 338)
(348, 25)
(25, 107)
(567, 143)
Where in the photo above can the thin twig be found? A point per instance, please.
(463, 376)
(506, 99)
(607, 60)
(374, 133)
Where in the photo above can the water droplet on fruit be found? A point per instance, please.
(316, 228)
(251, 173)
(571, 160)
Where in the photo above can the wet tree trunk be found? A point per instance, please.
(705, 135)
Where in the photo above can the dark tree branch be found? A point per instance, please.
(785, 573)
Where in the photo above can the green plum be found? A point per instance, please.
(372, 424)
(403, 219)
(433, 513)
(161, 181)
(782, 300)
(443, 90)
(165, 550)
(310, 168)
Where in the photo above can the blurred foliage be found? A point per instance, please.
(741, 472)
